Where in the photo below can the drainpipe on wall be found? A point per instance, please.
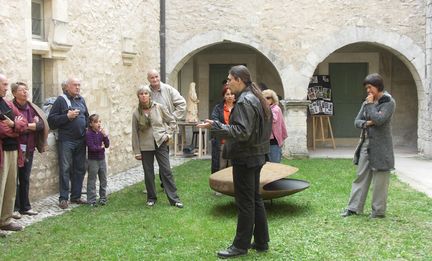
(429, 44)
(162, 41)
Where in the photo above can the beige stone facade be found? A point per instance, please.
(301, 39)
(110, 45)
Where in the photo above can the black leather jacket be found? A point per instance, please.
(248, 132)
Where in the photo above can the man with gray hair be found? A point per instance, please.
(69, 114)
(166, 95)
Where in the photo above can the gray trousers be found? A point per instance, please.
(96, 168)
(162, 156)
(361, 184)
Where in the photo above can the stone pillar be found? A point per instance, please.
(295, 116)
(426, 144)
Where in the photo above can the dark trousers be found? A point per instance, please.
(22, 201)
(72, 158)
(162, 156)
(252, 218)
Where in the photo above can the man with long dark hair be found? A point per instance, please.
(247, 142)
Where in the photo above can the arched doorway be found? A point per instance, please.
(209, 66)
(347, 67)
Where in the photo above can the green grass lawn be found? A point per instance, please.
(304, 226)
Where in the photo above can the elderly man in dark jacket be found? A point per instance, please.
(247, 142)
(374, 154)
(69, 114)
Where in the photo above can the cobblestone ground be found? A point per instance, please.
(48, 207)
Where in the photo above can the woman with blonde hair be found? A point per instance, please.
(279, 132)
(152, 128)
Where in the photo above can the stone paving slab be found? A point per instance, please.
(48, 207)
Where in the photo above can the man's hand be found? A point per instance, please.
(10, 122)
(206, 124)
(72, 114)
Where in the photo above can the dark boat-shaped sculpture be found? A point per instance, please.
(273, 181)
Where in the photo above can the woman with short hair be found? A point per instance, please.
(374, 154)
(152, 129)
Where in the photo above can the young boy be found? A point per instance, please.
(97, 140)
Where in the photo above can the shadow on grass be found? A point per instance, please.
(283, 209)
(275, 210)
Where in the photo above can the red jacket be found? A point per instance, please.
(6, 131)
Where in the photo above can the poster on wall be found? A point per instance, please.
(320, 95)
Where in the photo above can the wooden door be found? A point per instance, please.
(348, 94)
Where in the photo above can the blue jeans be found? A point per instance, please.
(72, 158)
(275, 154)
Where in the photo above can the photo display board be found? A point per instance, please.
(320, 95)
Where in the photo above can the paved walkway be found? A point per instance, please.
(410, 168)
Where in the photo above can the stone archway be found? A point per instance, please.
(199, 42)
(403, 47)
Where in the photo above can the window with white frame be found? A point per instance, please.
(37, 19)
(37, 80)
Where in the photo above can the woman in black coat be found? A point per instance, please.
(221, 113)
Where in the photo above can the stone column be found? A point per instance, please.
(426, 148)
(295, 116)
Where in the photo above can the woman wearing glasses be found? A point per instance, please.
(279, 132)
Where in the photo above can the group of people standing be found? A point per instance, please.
(247, 130)
(154, 122)
(23, 129)
(221, 112)
(77, 133)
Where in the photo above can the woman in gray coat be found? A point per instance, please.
(152, 128)
(374, 154)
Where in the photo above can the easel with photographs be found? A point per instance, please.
(318, 122)
(321, 108)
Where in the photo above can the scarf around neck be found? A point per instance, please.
(144, 121)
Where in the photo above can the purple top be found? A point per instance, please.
(28, 137)
(94, 142)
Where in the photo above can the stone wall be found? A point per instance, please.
(14, 43)
(297, 37)
(114, 43)
(425, 136)
(289, 34)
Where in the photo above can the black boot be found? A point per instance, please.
(232, 251)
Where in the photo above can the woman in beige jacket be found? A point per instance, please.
(152, 129)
